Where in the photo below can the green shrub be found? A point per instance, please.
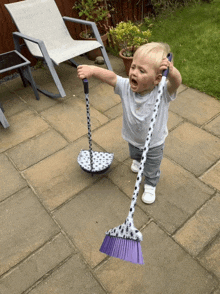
(128, 36)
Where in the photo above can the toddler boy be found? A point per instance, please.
(138, 94)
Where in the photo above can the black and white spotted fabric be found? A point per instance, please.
(89, 132)
(100, 160)
(127, 229)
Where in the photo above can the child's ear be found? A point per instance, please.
(158, 79)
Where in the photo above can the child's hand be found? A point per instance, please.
(165, 64)
(84, 71)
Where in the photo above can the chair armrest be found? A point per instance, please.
(23, 36)
(96, 33)
(86, 22)
(76, 20)
(40, 43)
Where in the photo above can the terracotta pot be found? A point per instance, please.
(96, 52)
(127, 61)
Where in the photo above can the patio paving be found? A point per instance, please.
(53, 215)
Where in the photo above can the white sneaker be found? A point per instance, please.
(149, 196)
(135, 166)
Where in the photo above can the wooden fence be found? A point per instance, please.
(123, 10)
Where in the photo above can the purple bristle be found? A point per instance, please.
(125, 249)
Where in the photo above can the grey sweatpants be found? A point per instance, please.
(152, 164)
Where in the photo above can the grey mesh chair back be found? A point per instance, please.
(41, 25)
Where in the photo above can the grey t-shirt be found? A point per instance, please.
(137, 113)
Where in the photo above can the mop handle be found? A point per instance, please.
(147, 142)
(86, 91)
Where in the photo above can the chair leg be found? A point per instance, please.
(52, 71)
(31, 81)
(56, 80)
(25, 83)
(49, 64)
(3, 119)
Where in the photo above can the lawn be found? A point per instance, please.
(193, 34)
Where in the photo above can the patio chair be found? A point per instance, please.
(43, 29)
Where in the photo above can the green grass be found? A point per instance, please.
(193, 34)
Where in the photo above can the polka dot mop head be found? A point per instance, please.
(90, 161)
(124, 241)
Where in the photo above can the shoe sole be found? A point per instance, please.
(148, 201)
(134, 170)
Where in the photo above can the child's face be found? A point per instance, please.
(143, 75)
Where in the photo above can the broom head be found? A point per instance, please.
(124, 242)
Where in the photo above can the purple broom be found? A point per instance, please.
(124, 241)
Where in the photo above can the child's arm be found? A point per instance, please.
(105, 75)
(174, 76)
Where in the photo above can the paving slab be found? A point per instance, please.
(12, 104)
(27, 95)
(59, 176)
(173, 120)
(124, 178)
(68, 76)
(114, 112)
(195, 106)
(41, 76)
(214, 126)
(200, 228)
(94, 211)
(14, 82)
(71, 277)
(176, 194)
(168, 269)
(36, 149)
(69, 118)
(25, 226)
(10, 180)
(210, 259)
(181, 88)
(109, 137)
(23, 126)
(102, 97)
(179, 195)
(42, 261)
(212, 176)
(192, 148)
(54, 216)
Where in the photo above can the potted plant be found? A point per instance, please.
(128, 36)
(96, 11)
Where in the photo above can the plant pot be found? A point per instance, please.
(96, 52)
(127, 61)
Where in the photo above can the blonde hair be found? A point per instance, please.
(155, 50)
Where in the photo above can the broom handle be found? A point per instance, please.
(147, 142)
